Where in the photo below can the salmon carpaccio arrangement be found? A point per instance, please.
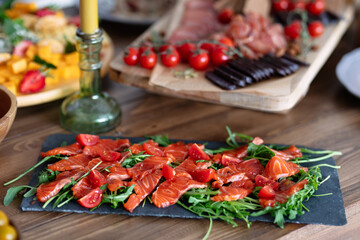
(232, 182)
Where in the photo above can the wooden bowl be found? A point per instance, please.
(8, 107)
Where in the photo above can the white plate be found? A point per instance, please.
(348, 71)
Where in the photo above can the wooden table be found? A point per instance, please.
(328, 117)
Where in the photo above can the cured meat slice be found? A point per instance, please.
(277, 168)
(143, 187)
(123, 172)
(73, 162)
(169, 192)
(251, 168)
(106, 144)
(292, 151)
(115, 181)
(178, 150)
(47, 190)
(101, 166)
(69, 150)
(231, 194)
(149, 164)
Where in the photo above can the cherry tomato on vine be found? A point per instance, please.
(225, 15)
(148, 59)
(297, 4)
(280, 5)
(316, 7)
(293, 30)
(316, 29)
(220, 56)
(146, 47)
(185, 50)
(207, 47)
(227, 41)
(131, 56)
(199, 59)
(170, 57)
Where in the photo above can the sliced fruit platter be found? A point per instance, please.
(38, 59)
(238, 179)
(205, 50)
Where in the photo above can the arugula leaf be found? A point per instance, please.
(134, 159)
(41, 61)
(114, 198)
(15, 31)
(261, 152)
(47, 176)
(69, 46)
(35, 166)
(161, 140)
(5, 6)
(11, 193)
(231, 140)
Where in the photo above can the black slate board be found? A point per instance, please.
(327, 210)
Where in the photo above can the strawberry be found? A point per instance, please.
(21, 47)
(33, 81)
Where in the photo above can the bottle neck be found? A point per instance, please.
(89, 47)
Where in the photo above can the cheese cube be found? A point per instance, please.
(18, 66)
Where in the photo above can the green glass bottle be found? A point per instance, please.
(90, 110)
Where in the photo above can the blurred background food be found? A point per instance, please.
(7, 231)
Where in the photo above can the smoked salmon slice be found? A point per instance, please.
(73, 162)
(148, 164)
(115, 181)
(82, 188)
(231, 194)
(178, 150)
(101, 166)
(170, 191)
(143, 187)
(69, 150)
(277, 168)
(106, 144)
(47, 190)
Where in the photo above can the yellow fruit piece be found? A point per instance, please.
(5, 72)
(30, 52)
(8, 232)
(11, 86)
(33, 66)
(55, 59)
(4, 57)
(25, 7)
(54, 79)
(13, 13)
(65, 72)
(44, 52)
(75, 71)
(3, 219)
(72, 58)
(18, 66)
(16, 79)
(2, 79)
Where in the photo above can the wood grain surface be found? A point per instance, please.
(328, 117)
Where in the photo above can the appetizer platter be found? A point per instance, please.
(240, 178)
(235, 72)
(39, 61)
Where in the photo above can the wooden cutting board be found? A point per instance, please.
(275, 95)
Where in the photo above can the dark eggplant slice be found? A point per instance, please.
(239, 75)
(212, 77)
(229, 77)
(295, 60)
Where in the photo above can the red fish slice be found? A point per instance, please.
(82, 188)
(169, 192)
(149, 164)
(143, 187)
(115, 181)
(70, 150)
(178, 150)
(231, 194)
(47, 190)
(277, 168)
(73, 162)
(106, 144)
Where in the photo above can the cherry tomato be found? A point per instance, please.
(165, 47)
(227, 160)
(293, 30)
(148, 59)
(170, 57)
(227, 41)
(225, 15)
(316, 7)
(280, 5)
(185, 50)
(8, 232)
(131, 56)
(4, 220)
(96, 178)
(92, 199)
(267, 192)
(207, 47)
(196, 153)
(153, 149)
(109, 156)
(32, 82)
(298, 4)
(316, 29)
(219, 56)
(87, 139)
(263, 181)
(199, 59)
(203, 175)
(146, 46)
(168, 172)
